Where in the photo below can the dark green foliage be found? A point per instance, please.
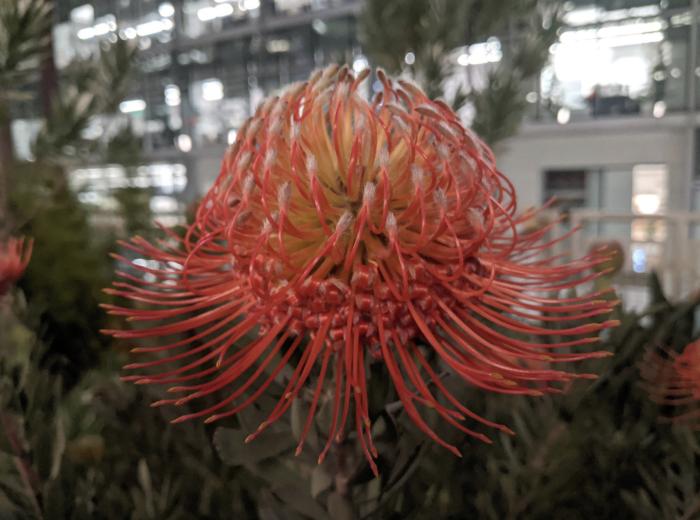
(63, 282)
(98, 451)
(70, 265)
(598, 451)
(25, 31)
(93, 86)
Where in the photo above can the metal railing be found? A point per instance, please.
(668, 244)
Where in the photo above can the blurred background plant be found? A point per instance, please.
(420, 38)
(68, 269)
(77, 442)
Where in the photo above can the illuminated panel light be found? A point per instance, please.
(647, 203)
(481, 53)
(590, 15)
(278, 46)
(154, 27)
(410, 58)
(319, 26)
(163, 204)
(232, 134)
(563, 116)
(680, 20)
(130, 33)
(166, 10)
(248, 5)
(86, 33)
(643, 11)
(132, 105)
(613, 32)
(96, 30)
(207, 14)
(172, 95)
(582, 16)
(634, 39)
(212, 90)
(184, 143)
(103, 177)
(83, 14)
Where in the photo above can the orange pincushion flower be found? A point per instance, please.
(346, 231)
(14, 257)
(673, 379)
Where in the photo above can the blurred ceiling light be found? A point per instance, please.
(232, 134)
(86, 34)
(172, 95)
(163, 204)
(154, 27)
(563, 116)
(99, 29)
(481, 53)
(277, 46)
(590, 15)
(360, 63)
(531, 97)
(646, 203)
(625, 29)
(207, 14)
(83, 14)
(659, 109)
(582, 16)
(631, 71)
(212, 90)
(637, 32)
(680, 20)
(410, 58)
(132, 105)
(319, 26)
(130, 33)
(634, 39)
(184, 143)
(249, 5)
(166, 10)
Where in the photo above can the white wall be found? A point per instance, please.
(614, 145)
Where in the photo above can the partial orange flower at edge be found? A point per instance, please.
(673, 380)
(14, 258)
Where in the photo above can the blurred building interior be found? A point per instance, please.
(611, 129)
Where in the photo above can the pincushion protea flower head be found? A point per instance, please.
(673, 379)
(341, 232)
(14, 257)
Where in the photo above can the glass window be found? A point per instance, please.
(616, 59)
